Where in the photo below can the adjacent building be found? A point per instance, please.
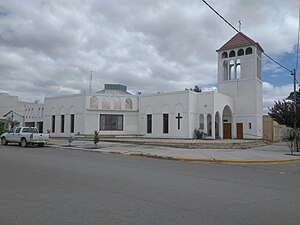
(272, 130)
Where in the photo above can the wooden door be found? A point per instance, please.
(227, 130)
(239, 131)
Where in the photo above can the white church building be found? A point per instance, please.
(234, 111)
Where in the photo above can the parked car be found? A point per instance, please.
(24, 136)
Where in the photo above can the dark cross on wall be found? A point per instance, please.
(178, 117)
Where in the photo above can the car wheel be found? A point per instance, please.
(23, 142)
(4, 141)
(41, 144)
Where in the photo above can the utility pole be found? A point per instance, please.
(295, 110)
(91, 80)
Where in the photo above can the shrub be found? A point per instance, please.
(96, 138)
(199, 134)
(70, 139)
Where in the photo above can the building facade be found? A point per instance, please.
(272, 130)
(240, 77)
(234, 111)
(112, 111)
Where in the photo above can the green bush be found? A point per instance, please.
(96, 138)
(199, 134)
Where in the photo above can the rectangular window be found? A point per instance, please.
(29, 124)
(72, 123)
(149, 123)
(250, 125)
(111, 122)
(53, 124)
(165, 123)
(62, 123)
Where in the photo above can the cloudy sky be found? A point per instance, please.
(50, 47)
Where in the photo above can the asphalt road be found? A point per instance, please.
(40, 186)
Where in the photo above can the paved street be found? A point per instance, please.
(47, 186)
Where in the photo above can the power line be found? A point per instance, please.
(238, 31)
(220, 16)
(277, 62)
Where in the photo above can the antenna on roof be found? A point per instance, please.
(240, 26)
(91, 80)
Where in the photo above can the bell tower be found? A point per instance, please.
(240, 77)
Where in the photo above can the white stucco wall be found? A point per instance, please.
(189, 104)
(87, 116)
(171, 103)
(65, 105)
(10, 102)
(116, 106)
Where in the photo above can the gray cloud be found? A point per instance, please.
(49, 47)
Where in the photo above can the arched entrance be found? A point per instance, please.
(217, 125)
(227, 120)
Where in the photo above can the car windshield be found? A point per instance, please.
(30, 130)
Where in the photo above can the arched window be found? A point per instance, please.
(117, 103)
(128, 103)
(232, 53)
(225, 70)
(93, 102)
(201, 122)
(224, 55)
(105, 103)
(231, 70)
(249, 51)
(238, 68)
(240, 52)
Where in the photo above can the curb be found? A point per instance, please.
(207, 160)
(214, 160)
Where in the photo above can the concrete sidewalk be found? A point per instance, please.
(276, 153)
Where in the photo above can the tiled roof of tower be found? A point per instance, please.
(239, 40)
